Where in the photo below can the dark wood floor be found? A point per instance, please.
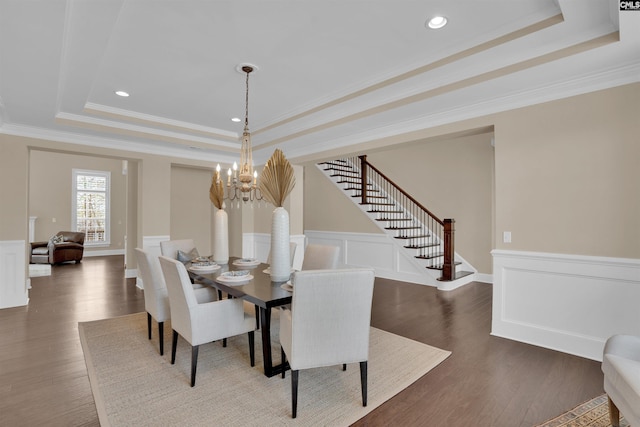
(487, 381)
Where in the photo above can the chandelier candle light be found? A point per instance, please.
(245, 184)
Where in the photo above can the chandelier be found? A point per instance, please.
(243, 184)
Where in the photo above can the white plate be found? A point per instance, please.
(234, 279)
(235, 276)
(246, 262)
(204, 269)
(287, 287)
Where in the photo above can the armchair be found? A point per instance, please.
(328, 323)
(64, 246)
(621, 368)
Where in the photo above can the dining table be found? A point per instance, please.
(257, 289)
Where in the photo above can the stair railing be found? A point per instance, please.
(373, 182)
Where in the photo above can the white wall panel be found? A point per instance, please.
(568, 303)
(13, 280)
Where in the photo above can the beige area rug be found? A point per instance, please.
(594, 413)
(134, 386)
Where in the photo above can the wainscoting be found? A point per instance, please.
(568, 303)
(358, 250)
(13, 274)
(258, 245)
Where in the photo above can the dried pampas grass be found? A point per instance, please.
(277, 179)
(216, 192)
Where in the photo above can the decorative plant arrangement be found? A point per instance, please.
(276, 182)
(220, 221)
(216, 192)
(277, 179)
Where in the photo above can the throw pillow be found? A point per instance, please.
(185, 257)
(57, 239)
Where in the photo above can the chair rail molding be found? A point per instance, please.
(14, 283)
(568, 303)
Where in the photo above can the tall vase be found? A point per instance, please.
(221, 237)
(280, 262)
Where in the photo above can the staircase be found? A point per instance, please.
(426, 240)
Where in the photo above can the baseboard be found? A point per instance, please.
(130, 273)
(106, 252)
(569, 303)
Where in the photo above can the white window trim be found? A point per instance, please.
(74, 204)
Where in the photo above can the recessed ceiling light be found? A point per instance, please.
(122, 93)
(437, 22)
(235, 119)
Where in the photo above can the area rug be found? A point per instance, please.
(594, 413)
(134, 386)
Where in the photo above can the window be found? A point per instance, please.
(90, 208)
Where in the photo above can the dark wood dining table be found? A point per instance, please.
(261, 292)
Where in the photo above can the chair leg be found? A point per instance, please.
(283, 359)
(257, 317)
(194, 363)
(149, 325)
(614, 414)
(252, 353)
(294, 393)
(161, 335)
(224, 342)
(363, 381)
(344, 366)
(174, 344)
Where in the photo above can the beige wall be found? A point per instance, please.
(453, 178)
(14, 187)
(566, 179)
(327, 209)
(50, 193)
(567, 175)
(191, 209)
(152, 194)
(132, 213)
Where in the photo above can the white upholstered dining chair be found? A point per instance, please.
(621, 368)
(201, 323)
(328, 323)
(292, 253)
(156, 298)
(320, 257)
(170, 248)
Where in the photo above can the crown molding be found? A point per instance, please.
(133, 130)
(619, 76)
(148, 119)
(120, 145)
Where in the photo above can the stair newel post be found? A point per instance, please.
(363, 178)
(448, 268)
